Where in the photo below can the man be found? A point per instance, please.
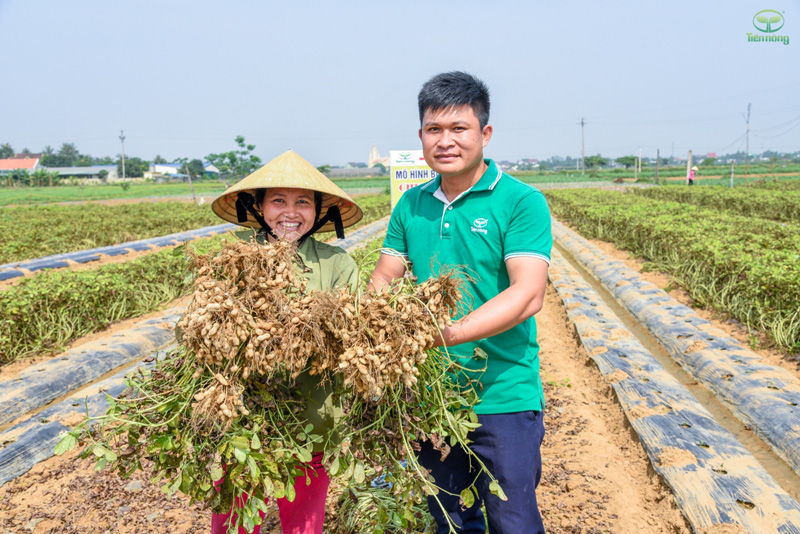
(499, 228)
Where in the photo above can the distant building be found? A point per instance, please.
(19, 164)
(89, 174)
(25, 155)
(174, 170)
(353, 172)
(375, 158)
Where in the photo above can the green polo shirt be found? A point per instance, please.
(326, 267)
(497, 219)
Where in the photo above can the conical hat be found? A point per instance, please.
(288, 170)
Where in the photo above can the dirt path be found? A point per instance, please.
(596, 475)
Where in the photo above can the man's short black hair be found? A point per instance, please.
(454, 89)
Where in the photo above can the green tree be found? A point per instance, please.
(103, 175)
(48, 155)
(628, 161)
(324, 169)
(708, 162)
(6, 151)
(196, 168)
(134, 167)
(105, 160)
(236, 164)
(592, 162)
(21, 177)
(85, 160)
(159, 159)
(68, 154)
(43, 177)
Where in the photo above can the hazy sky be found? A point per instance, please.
(329, 79)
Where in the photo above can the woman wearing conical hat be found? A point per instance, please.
(289, 199)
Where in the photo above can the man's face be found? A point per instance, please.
(452, 140)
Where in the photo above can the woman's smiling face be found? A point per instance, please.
(289, 211)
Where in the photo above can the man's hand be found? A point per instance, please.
(523, 298)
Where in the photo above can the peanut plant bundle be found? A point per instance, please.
(222, 416)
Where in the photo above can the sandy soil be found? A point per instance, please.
(596, 475)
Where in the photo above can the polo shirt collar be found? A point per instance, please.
(490, 177)
(487, 181)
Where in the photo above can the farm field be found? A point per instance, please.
(775, 204)
(49, 309)
(208, 190)
(115, 192)
(35, 231)
(598, 476)
(744, 265)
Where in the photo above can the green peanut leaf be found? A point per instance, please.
(67, 443)
(240, 455)
(334, 467)
(255, 472)
(304, 455)
(216, 472)
(468, 497)
(495, 488)
(290, 492)
(255, 443)
(358, 473)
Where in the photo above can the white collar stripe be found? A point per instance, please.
(499, 175)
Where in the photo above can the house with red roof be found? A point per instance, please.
(14, 164)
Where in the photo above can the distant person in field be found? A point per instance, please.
(289, 199)
(692, 172)
(474, 215)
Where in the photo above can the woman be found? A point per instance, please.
(289, 199)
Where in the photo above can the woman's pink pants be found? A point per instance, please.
(304, 515)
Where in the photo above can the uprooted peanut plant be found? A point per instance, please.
(221, 415)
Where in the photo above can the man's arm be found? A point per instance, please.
(387, 269)
(523, 298)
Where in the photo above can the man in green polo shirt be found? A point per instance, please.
(474, 215)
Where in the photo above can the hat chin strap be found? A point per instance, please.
(245, 203)
(333, 215)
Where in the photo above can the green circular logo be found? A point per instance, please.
(768, 21)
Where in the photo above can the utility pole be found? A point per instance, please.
(731, 174)
(189, 174)
(583, 160)
(747, 145)
(640, 160)
(688, 167)
(122, 139)
(658, 159)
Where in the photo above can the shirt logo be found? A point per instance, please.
(479, 225)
